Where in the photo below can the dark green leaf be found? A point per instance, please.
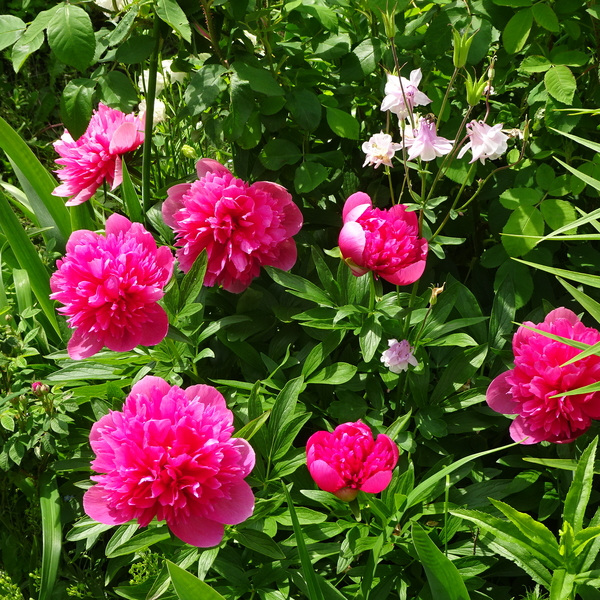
(188, 586)
(545, 17)
(305, 108)
(193, 280)
(170, 12)
(517, 30)
(278, 153)
(135, 50)
(260, 80)
(117, 91)
(259, 541)
(309, 175)
(204, 88)
(76, 106)
(560, 83)
(343, 123)
(71, 36)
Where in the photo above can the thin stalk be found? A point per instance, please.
(447, 94)
(150, 96)
(389, 174)
(372, 291)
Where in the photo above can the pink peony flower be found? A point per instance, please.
(386, 242)
(96, 156)
(484, 141)
(394, 99)
(169, 454)
(350, 460)
(243, 227)
(526, 390)
(398, 356)
(380, 150)
(425, 142)
(110, 287)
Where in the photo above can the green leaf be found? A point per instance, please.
(188, 586)
(305, 108)
(535, 64)
(76, 106)
(571, 58)
(517, 30)
(334, 374)
(589, 304)
(278, 153)
(308, 572)
(587, 143)
(251, 428)
(368, 53)
(370, 337)
(515, 197)
(260, 80)
(309, 175)
(170, 12)
(51, 533)
(143, 540)
(121, 31)
(11, 29)
(135, 50)
(443, 577)
(71, 36)
(560, 83)
(545, 17)
(300, 287)
(204, 88)
(524, 221)
(117, 91)
(334, 46)
(503, 314)
(193, 280)
(562, 585)
(259, 541)
(130, 198)
(343, 123)
(558, 214)
(581, 487)
(595, 183)
(593, 280)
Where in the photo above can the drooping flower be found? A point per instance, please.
(380, 150)
(484, 141)
(96, 156)
(398, 356)
(394, 100)
(242, 227)
(110, 286)
(159, 112)
(527, 390)
(386, 242)
(169, 454)
(349, 460)
(425, 142)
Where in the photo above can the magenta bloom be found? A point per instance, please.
(386, 242)
(526, 390)
(110, 287)
(96, 156)
(242, 227)
(169, 454)
(350, 460)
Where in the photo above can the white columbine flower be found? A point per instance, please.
(484, 141)
(425, 142)
(398, 356)
(394, 100)
(160, 112)
(167, 76)
(380, 150)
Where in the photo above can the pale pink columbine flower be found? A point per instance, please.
(425, 142)
(110, 286)
(398, 356)
(484, 141)
(386, 242)
(349, 460)
(380, 150)
(538, 375)
(96, 156)
(394, 100)
(242, 227)
(169, 454)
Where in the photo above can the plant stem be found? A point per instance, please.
(447, 94)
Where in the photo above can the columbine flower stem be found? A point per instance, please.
(397, 64)
(389, 174)
(447, 94)
(150, 95)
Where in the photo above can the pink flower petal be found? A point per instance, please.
(499, 397)
(561, 313)
(359, 199)
(156, 327)
(208, 165)
(95, 506)
(352, 242)
(325, 476)
(377, 482)
(237, 508)
(116, 224)
(247, 456)
(83, 345)
(197, 530)
(124, 138)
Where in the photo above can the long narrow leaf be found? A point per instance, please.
(29, 260)
(562, 585)
(589, 180)
(443, 577)
(189, 587)
(51, 533)
(590, 305)
(593, 280)
(314, 590)
(581, 487)
(579, 140)
(130, 198)
(50, 210)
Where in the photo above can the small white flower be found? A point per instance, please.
(394, 100)
(173, 76)
(113, 5)
(380, 150)
(398, 356)
(424, 142)
(484, 141)
(160, 110)
(167, 76)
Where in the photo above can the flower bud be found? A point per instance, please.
(475, 89)
(461, 44)
(189, 152)
(39, 388)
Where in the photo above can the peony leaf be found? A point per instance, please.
(260, 542)
(334, 374)
(143, 540)
(581, 487)
(51, 533)
(278, 153)
(188, 586)
(71, 36)
(560, 83)
(517, 30)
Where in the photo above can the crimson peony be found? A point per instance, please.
(110, 286)
(386, 242)
(242, 227)
(169, 454)
(349, 460)
(527, 389)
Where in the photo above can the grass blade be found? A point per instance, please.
(51, 534)
(189, 587)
